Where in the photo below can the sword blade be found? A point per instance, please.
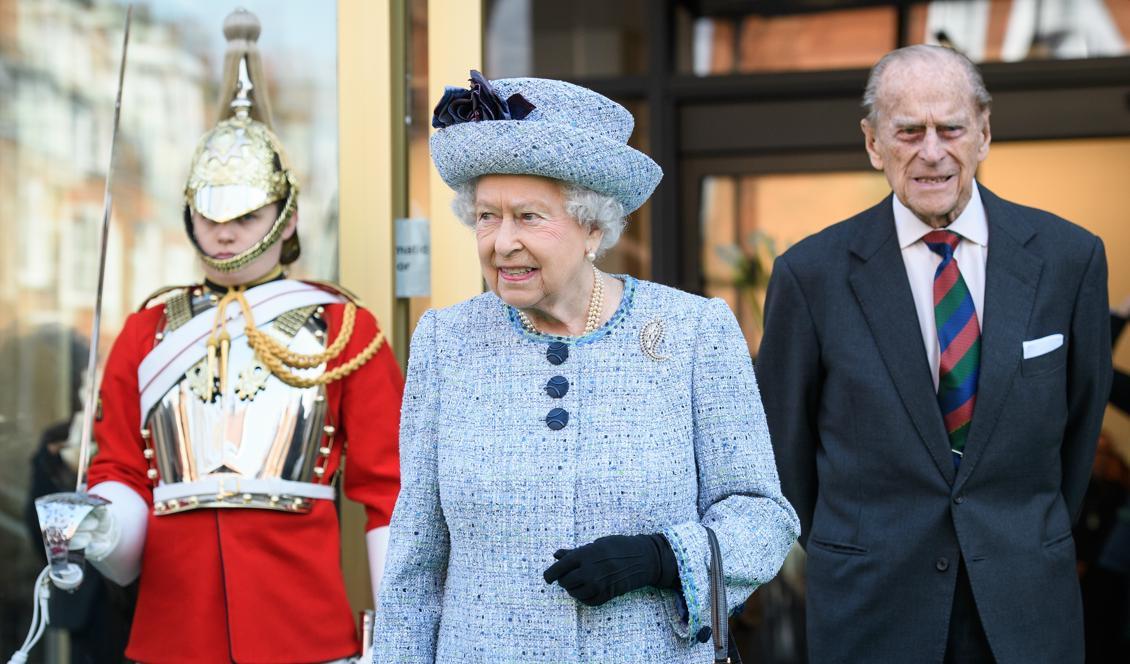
(89, 402)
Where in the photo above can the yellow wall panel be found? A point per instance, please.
(455, 46)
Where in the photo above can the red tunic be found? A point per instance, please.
(252, 585)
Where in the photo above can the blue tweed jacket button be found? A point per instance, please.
(557, 419)
(557, 387)
(557, 353)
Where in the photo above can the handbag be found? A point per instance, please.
(725, 650)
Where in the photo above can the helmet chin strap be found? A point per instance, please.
(256, 250)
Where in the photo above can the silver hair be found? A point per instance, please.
(585, 206)
(924, 53)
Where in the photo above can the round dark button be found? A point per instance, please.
(557, 387)
(703, 635)
(959, 500)
(557, 352)
(557, 419)
(942, 564)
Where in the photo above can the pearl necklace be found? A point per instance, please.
(596, 305)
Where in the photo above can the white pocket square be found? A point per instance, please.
(1042, 346)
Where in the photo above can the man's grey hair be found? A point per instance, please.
(585, 206)
(923, 53)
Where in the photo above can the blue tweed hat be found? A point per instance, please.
(537, 126)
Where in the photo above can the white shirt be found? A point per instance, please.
(921, 263)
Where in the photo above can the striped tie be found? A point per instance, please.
(959, 340)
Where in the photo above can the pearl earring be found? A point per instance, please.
(591, 256)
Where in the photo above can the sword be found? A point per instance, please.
(89, 403)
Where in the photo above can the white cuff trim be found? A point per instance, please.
(122, 565)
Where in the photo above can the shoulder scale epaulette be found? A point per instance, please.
(290, 322)
(177, 301)
(178, 309)
(162, 296)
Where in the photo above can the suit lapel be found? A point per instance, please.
(878, 279)
(1011, 276)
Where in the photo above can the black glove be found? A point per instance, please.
(614, 565)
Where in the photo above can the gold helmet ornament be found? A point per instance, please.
(240, 166)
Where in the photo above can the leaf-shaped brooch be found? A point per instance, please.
(650, 337)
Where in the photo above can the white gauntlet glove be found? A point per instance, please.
(98, 533)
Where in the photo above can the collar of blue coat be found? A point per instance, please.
(597, 334)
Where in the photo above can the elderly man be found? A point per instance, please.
(934, 371)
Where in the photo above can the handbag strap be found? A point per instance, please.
(719, 613)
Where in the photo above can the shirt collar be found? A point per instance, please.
(971, 224)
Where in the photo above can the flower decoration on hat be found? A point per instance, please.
(477, 104)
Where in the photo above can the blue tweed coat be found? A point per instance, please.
(490, 491)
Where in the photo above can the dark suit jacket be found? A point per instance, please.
(864, 456)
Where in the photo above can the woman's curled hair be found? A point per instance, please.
(587, 207)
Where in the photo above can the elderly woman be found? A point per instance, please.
(567, 436)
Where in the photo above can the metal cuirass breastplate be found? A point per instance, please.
(258, 443)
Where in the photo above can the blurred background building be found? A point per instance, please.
(750, 106)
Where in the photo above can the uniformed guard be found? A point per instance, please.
(225, 412)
